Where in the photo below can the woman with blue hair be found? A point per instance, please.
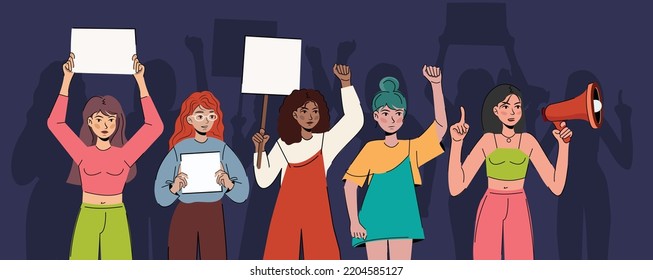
(389, 219)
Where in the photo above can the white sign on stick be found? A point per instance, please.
(103, 51)
(271, 65)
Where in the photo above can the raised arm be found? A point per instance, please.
(554, 178)
(153, 126)
(427, 146)
(196, 47)
(352, 120)
(434, 76)
(271, 164)
(461, 174)
(57, 120)
(622, 150)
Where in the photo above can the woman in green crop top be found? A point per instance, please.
(503, 218)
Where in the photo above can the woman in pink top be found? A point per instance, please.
(103, 161)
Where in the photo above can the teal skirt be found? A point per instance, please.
(390, 209)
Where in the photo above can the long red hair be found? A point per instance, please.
(184, 130)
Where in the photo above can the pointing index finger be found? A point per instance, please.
(462, 114)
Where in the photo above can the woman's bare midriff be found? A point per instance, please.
(101, 199)
(502, 185)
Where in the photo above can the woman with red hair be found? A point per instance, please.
(198, 217)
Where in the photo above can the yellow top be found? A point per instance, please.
(376, 157)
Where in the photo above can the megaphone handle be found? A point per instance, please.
(559, 128)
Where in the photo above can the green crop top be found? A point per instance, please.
(507, 164)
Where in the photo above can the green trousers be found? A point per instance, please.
(101, 232)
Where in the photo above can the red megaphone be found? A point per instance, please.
(587, 106)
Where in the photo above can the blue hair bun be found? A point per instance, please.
(389, 84)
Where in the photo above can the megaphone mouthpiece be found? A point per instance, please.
(597, 106)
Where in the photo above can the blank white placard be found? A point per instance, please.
(200, 169)
(271, 65)
(103, 51)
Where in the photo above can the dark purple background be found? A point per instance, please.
(552, 40)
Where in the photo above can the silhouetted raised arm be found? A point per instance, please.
(196, 47)
(622, 151)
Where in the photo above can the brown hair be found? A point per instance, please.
(107, 105)
(288, 128)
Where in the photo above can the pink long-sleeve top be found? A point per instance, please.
(105, 172)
